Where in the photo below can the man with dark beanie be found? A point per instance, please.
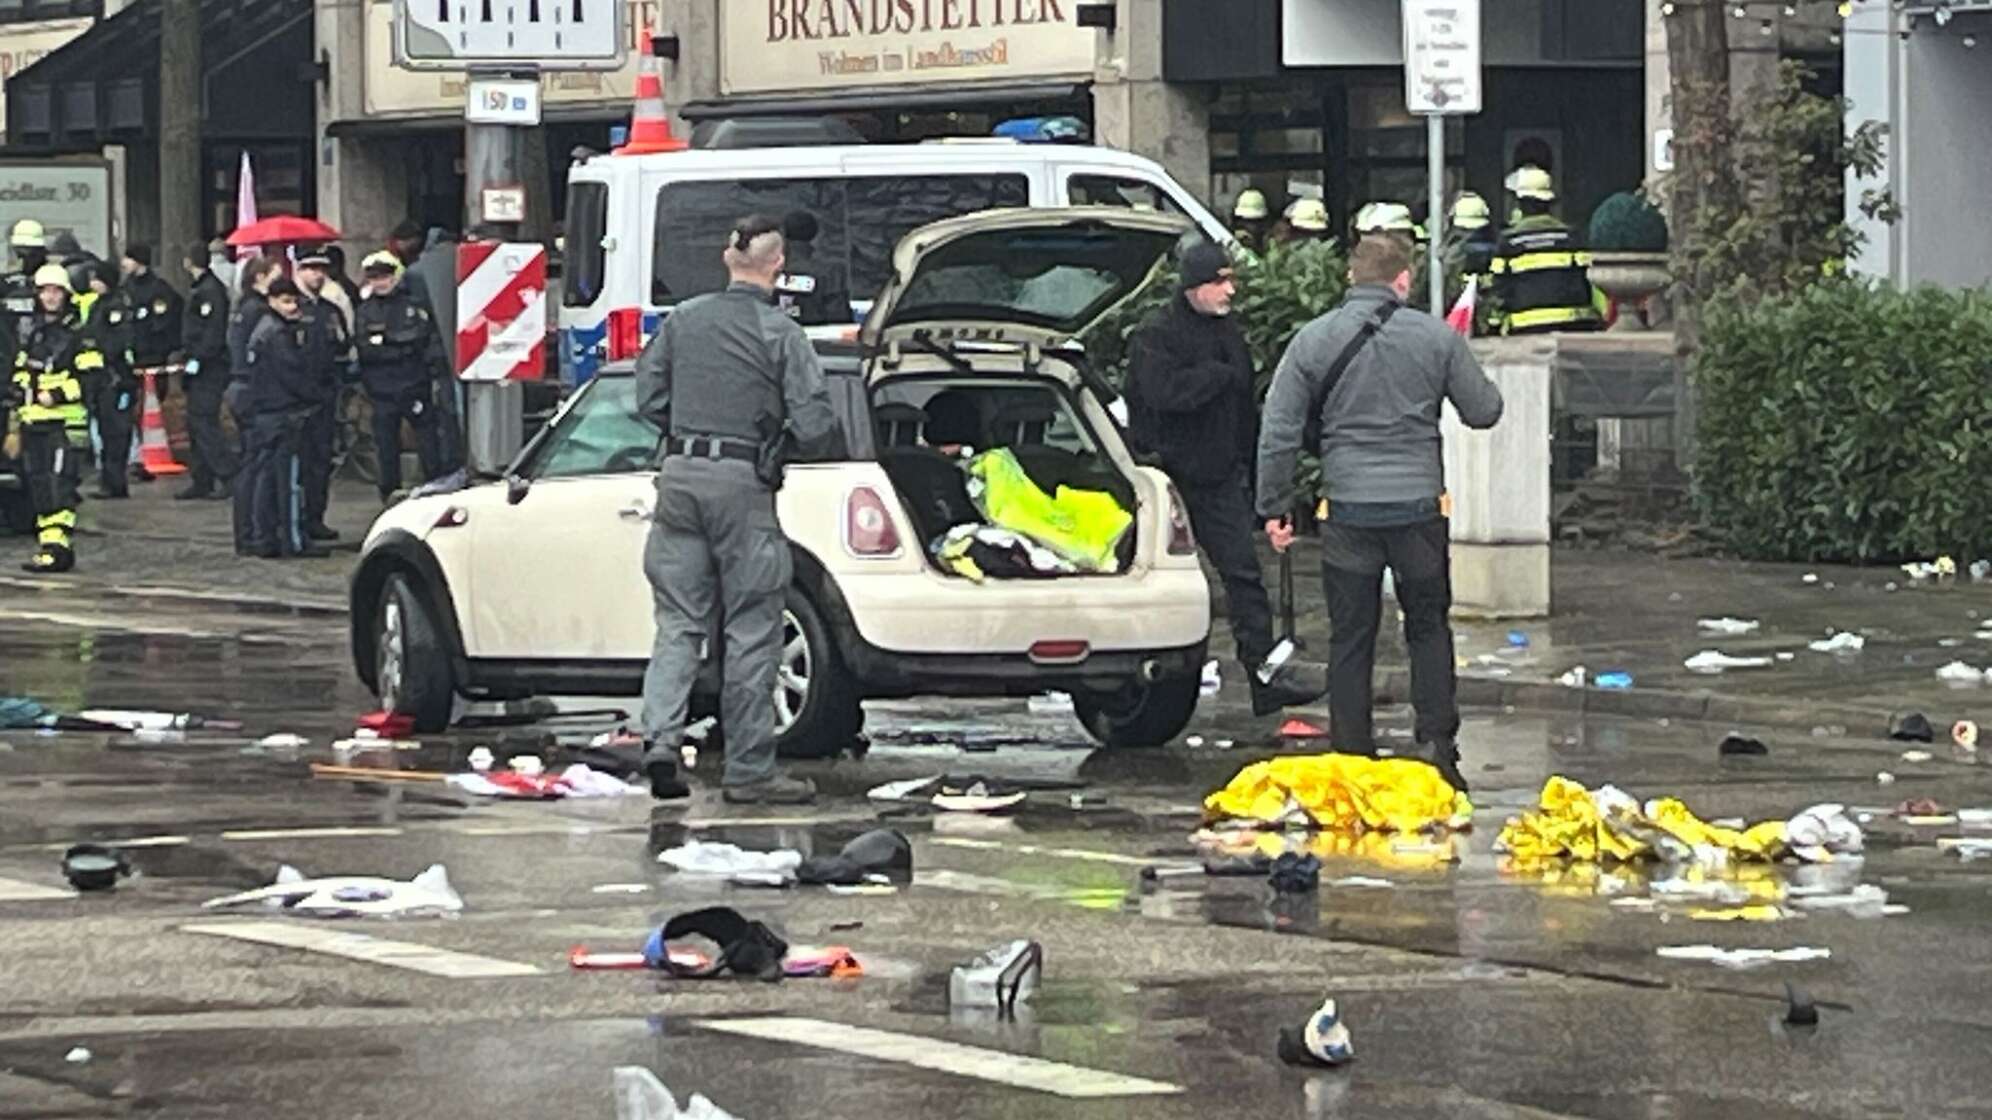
(1191, 406)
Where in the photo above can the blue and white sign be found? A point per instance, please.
(502, 101)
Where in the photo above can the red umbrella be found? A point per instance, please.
(282, 230)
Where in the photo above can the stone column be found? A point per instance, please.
(1499, 482)
(1136, 111)
(1659, 81)
(695, 76)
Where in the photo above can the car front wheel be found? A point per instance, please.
(411, 665)
(817, 712)
(1146, 716)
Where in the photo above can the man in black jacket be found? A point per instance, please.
(1191, 405)
(204, 346)
(283, 388)
(401, 359)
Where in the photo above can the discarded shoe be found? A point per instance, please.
(1293, 684)
(1737, 744)
(778, 790)
(1321, 1041)
(1294, 874)
(665, 784)
(1912, 727)
(882, 851)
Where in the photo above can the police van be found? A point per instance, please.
(646, 231)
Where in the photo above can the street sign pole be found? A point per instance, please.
(494, 411)
(1441, 78)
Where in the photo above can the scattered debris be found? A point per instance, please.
(1800, 1011)
(1810, 577)
(1301, 729)
(1964, 734)
(1000, 978)
(577, 781)
(622, 888)
(1212, 682)
(1959, 673)
(1743, 958)
(1824, 830)
(1966, 847)
(481, 759)
(391, 725)
(1974, 816)
(1295, 874)
(1614, 681)
(1911, 727)
(1781, 655)
(702, 857)
(352, 895)
(882, 853)
(743, 947)
(1609, 825)
(1863, 901)
(1323, 1040)
(1225, 744)
(976, 795)
(1051, 704)
(1763, 912)
(1729, 627)
(1916, 756)
(1715, 661)
(1575, 678)
(1921, 807)
(78, 1055)
(640, 1096)
(94, 867)
(1844, 641)
(283, 740)
(157, 721)
(1736, 743)
(1364, 881)
(1518, 639)
(1339, 791)
(1981, 570)
(1884, 778)
(1194, 742)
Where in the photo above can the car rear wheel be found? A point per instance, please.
(817, 713)
(411, 664)
(1146, 716)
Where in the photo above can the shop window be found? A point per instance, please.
(856, 224)
(584, 261)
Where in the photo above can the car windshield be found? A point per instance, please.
(599, 432)
(1062, 278)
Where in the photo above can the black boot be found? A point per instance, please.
(1444, 757)
(665, 784)
(1296, 683)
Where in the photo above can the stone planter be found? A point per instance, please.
(1630, 279)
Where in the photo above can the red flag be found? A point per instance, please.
(1460, 318)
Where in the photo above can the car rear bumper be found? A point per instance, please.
(933, 615)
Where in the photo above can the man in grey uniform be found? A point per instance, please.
(727, 374)
(1374, 373)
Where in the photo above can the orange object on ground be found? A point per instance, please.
(1301, 729)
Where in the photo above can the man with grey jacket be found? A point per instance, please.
(1373, 374)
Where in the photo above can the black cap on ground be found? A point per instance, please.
(1912, 727)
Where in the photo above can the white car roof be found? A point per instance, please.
(701, 161)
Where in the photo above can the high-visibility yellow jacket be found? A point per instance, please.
(48, 363)
(1083, 526)
(1541, 279)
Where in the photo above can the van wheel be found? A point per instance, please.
(816, 703)
(411, 664)
(1145, 717)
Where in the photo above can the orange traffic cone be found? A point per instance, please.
(153, 450)
(650, 125)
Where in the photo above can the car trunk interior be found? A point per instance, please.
(929, 428)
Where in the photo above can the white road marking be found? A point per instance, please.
(945, 1057)
(13, 890)
(134, 842)
(360, 947)
(974, 884)
(305, 833)
(1085, 854)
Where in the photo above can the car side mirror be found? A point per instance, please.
(516, 487)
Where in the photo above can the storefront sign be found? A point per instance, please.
(785, 45)
(63, 197)
(390, 90)
(23, 44)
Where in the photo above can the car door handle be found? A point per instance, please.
(635, 511)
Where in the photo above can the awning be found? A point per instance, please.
(926, 97)
(102, 87)
(453, 122)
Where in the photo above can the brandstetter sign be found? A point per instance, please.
(777, 45)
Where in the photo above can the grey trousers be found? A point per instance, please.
(716, 558)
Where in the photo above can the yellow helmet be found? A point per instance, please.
(53, 276)
(1309, 215)
(1470, 211)
(1530, 181)
(28, 234)
(1385, 217)
(1251, 205)
(381, 259)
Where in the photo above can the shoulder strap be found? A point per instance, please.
(1340, 366)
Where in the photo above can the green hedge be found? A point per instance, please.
(1848, 422)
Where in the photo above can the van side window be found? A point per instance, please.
(585, 262)
(1114, 190)
(853, 225)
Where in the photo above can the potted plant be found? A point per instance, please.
(1628, 241)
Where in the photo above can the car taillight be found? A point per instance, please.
(868, 527)
(452, 517)
(625, 333)
(1182, 542)
(1060, 651)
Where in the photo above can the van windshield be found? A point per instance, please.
(841, 231)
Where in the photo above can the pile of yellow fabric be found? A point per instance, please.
(1083, 526)
(1341, 791)
(1606, 824)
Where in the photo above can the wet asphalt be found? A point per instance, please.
(1470, 990)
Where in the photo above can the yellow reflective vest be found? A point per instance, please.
(47, 363)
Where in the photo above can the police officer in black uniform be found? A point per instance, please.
(401, 359)
(204, 348)
(282, 391)
(109, 385)
(329, 344)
